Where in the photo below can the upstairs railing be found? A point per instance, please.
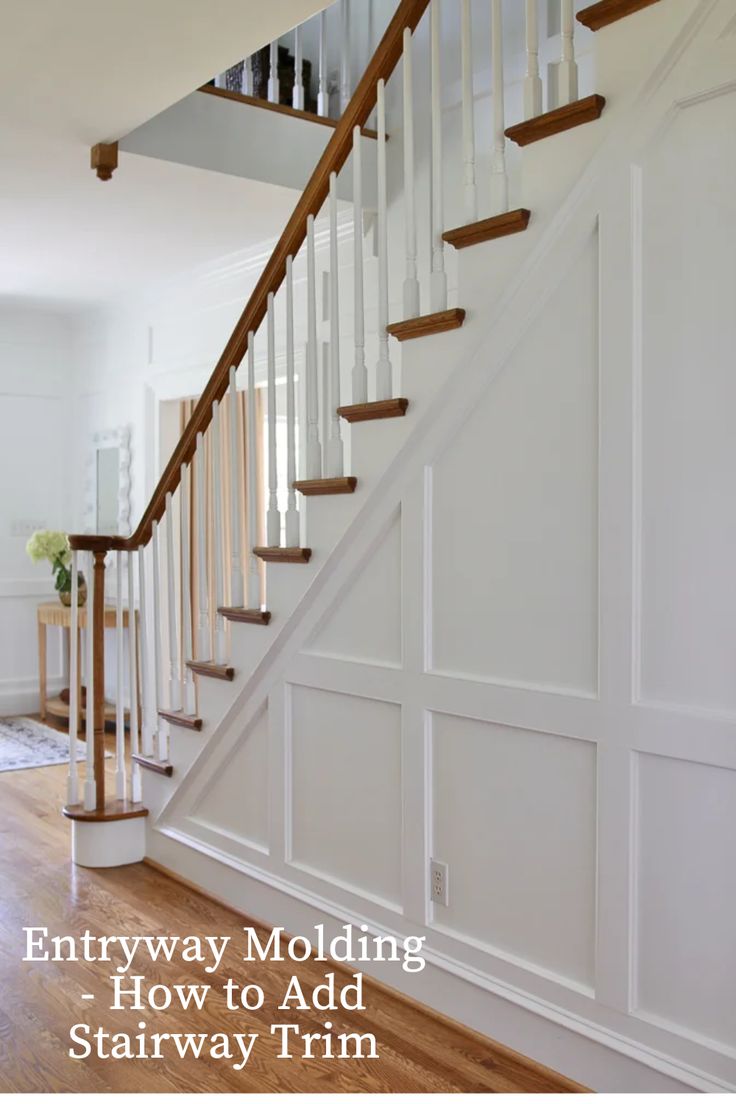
(183, 611)
(321, 84)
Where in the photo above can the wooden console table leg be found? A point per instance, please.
(42, 669)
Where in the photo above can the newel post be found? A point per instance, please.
(98, 662)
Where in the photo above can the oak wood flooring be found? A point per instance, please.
(39, 1002)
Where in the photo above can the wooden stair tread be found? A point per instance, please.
(427, 324)
(557, 121)
(245, 616)
(114, 810)
(373, 411)
(510, 222)
(283, 555)
(153, 765)
(282, 109)
(610, 11)
(182, 720)
(211, 670)
(344, 484)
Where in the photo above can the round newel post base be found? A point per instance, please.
(115, 836)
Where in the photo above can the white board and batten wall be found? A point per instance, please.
(526, 669)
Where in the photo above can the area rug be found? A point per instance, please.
(25, 744)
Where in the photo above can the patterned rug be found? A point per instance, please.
(25, 743)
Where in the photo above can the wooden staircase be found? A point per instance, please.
(178, 711)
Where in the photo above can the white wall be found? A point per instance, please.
(36, 478)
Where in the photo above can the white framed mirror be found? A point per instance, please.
(107, 486)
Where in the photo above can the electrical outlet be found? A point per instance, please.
(439, 877)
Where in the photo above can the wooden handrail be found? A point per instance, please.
(381, 66)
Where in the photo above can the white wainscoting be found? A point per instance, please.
(687, 394)
(345, 790)
(558, 723)
(513, 814)
(236, 800)
(517, 491)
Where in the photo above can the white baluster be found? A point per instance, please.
(162, 748)
(174, 658)
(255, 598)
(335, 450)
(273, 515)
(314, 450)
(411, 283)
(567, 73)
(189, 699)
(148, 686)
(326, 401)
(297, 99)
(532, 80)
(499, 179)
(344, 55)
(221, 80)
(72, 781)
(384, 381)
(237, 587)
(360, 372)
(292, 512)
(120, 780)
(135, 770)
(90, 793)
(438, 279)
(204, 644)
(471, 194)
(220, 637)
(274, 90)
(323, 98)
(247, 82)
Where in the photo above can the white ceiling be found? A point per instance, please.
(78, 72)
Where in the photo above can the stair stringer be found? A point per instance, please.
(478, 352)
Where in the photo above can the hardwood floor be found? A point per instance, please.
(40, 1001)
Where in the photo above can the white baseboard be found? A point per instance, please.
(580, 1050)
